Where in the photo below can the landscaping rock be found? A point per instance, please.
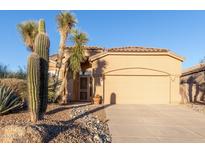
(22, 134)
(97, 130)
(61, 124)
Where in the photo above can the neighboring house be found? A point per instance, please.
(192, 87)
(127, 75)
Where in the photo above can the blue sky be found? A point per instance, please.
(180, 31)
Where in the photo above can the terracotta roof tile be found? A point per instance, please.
(53, 57)
(137, 49)
(194, 69)
(89, 48)
(94, 51)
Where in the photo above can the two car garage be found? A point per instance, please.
(137, 75)
(137, 89)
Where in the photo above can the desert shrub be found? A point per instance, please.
(18, 85)
(6, 73)
(51, 92)
(51, 96)
(20, 74)
(3, 71)
(9, 100)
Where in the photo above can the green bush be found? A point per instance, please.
(9, 100)
(51, 92)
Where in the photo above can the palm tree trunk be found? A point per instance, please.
(62, 94)
(59, 60)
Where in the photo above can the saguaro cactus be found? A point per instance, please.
(41, 47)
(34, 85)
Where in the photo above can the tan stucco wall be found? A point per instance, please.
(137, 65)
(191, 88)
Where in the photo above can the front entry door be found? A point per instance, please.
(84, 94)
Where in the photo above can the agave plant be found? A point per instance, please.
(9, 100)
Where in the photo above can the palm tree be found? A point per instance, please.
(28, 31)
(65, 21)
(73, 62)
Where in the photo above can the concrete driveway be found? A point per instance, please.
(155, 123)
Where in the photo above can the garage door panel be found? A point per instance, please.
(136, 89)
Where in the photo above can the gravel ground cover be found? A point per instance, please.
(82, 123)
(198, 107)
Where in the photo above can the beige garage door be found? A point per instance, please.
(136, 89)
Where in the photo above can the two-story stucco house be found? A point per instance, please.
(127, 75)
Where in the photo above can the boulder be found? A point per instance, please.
(22, 134)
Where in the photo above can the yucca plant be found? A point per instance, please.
(28, 31)
(65, 21)
(77, 56)
(9, 100)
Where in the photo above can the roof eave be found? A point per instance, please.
(171, 54)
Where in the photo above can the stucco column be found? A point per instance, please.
(175, 97)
